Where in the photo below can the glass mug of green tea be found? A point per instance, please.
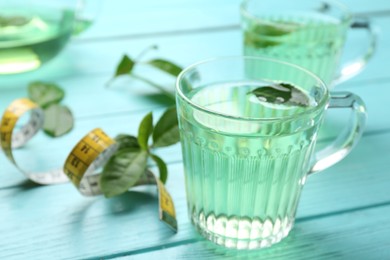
(248, 144)
(309, 33)
(33, 32)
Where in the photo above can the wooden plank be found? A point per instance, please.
(43, 153)
(118, 18)
(362, 234)
(222, 43)
(126, 117)
(96, 61)
(123, 18)
(96, 227)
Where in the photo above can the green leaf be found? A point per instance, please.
(162, 167)
(166, 131)
(122, 171)
(6, 21)
(166, 66)
(267, 35)
(45, 94)
(145, 130)
(256, 41)
(58, 120)
(126, 141)
(125, 66)
(278, 28)
(282, 93)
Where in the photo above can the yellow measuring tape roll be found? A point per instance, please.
(13, 136)
(91, 153)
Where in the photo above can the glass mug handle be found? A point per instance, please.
(344, 143)
(355, 66)
(85, 14)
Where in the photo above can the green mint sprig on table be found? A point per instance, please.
(58, 119)
(126, 67)
(129, 163)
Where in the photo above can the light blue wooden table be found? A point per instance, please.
(344, 212)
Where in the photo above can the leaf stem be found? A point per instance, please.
(153, 47)
(108, 83)
(159, 87)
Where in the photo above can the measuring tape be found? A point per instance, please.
(12, 138)
(82, 164)
(91, 153)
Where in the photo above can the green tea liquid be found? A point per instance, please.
(29, 38)
(313, 41)
(244, 178)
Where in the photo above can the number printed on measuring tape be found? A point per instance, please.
(166, 207)
(89, 154)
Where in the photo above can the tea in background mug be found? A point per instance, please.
(248, 143)
(33, 32)
(309, 33)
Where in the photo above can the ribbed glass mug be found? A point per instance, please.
(247, 159)
(309, 33)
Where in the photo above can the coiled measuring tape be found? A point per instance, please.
(81, 165)
(91, 153)
(12, 138)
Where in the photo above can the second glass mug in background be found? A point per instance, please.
(309, 33)
(32, 32)
(246, 157)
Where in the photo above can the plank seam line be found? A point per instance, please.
(381, 13)
(26, 184)
(344, 211)
(362, 83)
(145, 250)
(192, 241)
(161, 34)
(365, 134)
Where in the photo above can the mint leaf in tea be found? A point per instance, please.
(282, 93)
